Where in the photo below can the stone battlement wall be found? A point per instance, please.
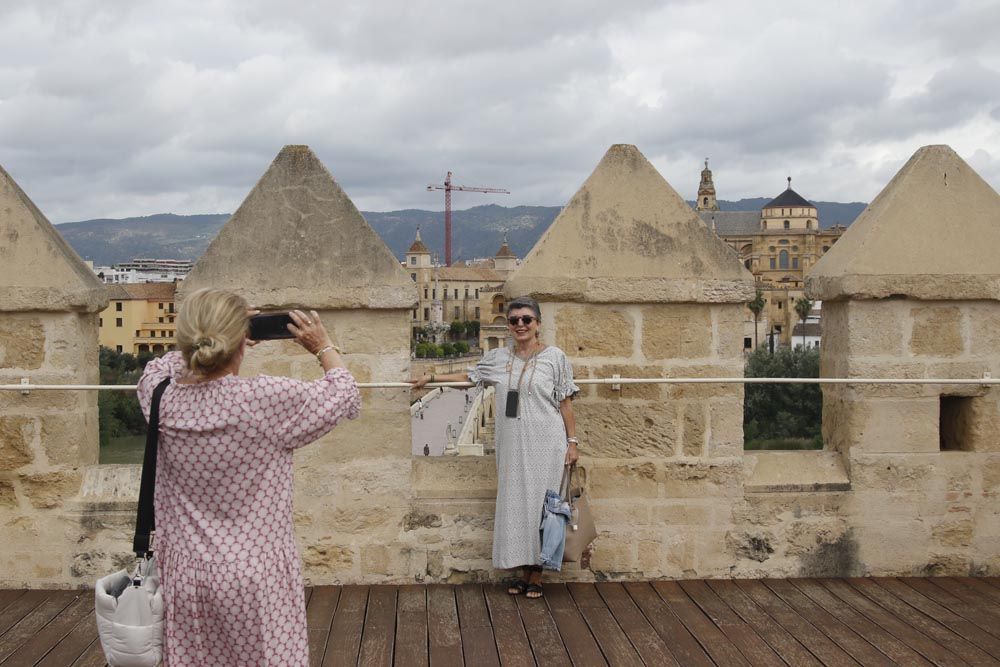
(630, 282)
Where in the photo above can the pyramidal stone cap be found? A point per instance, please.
(627, 237)
(932, 233)
(40, 270)
(298, 240)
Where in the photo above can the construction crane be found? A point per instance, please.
(448, 187)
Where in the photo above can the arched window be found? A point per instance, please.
(704, 201)
(809, 224)
(787, 224)
(783, 259)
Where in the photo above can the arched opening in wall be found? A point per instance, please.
(786, 224)
(704, 201)
(497, 303)
(502, 321)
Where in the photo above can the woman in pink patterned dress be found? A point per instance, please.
(229, 563)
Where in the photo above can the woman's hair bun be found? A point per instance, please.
(211, 327)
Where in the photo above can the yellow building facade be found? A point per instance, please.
(139, 318)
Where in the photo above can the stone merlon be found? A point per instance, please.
(298, 240)
(932, 233)
(41, 272)
(627, 236)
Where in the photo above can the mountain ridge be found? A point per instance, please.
(476, 231)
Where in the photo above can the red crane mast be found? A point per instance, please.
(448, 188)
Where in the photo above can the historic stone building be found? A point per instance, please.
(779, 244)
(472, 291)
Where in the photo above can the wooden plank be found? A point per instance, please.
(818, 643)
(682, 643)
(41, 642)
(320, 608)
(478, 644)
(32, 622)
(579, 641)
(546, 644)
(960, 626)
(444, 635)
(782, 641)
(743, 637)
(982, 587)
(8, 596)
(411, 626)
(920, 622)
(508, 630)
(928, 648)
(852, 643)
(872, 632)
(73, 645)
(380, 627)
(970, 596)
(610, 637)
(951, 595)
(92, 657)
(20, 608)
(344, 644)
(716, 644)
(993, 581)
(648, 644)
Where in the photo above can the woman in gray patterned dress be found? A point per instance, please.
(535, 437)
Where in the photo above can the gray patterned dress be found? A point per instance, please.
(531, 448)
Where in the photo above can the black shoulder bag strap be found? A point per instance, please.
(144, 521)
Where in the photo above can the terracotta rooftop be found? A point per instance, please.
(145, 291)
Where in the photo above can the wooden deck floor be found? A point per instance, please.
(941, 621)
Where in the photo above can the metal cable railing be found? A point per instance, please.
(25, 387)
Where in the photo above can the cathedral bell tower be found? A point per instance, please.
(706, 191)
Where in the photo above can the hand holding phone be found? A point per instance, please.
(270, 326)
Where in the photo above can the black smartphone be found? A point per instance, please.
(513, 397)
(270, 326)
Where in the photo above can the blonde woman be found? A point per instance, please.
(231, 576)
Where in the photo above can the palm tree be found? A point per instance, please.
(756, 306)
(802, 307)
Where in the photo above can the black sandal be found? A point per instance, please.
(534, 588)
(516, 586)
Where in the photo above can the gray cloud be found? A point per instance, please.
(112, 108)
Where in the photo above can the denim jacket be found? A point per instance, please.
(556, 513)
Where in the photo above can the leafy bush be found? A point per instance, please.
(472, 328)
(118, 411)
(456, 329)
(461, 347)
(424, 350)
(782, 412)
(448, 349)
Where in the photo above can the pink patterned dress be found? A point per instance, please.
(229, 563)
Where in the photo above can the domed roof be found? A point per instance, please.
(418, 247)
(788, 198)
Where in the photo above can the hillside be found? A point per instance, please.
(477, 232)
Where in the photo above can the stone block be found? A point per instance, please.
(871, 329)
(886, 369)
(594, 331)
(726, 424)
(676, 331)
(892, 474)
(937, 331)
(984, 329)
(795, 472)
(450, 477)
(368, 331)
(699, 391)
(16, 434)
(69, 439)
(729, 331)
(612, 556)
(681, 514)
(652, 392)
(718, 479)
(616, 512)
(991, 476)
(52, 489)
(8, 496)
(694, 429)
(953, 532)
(891, 425)
(627, 431)
(631, 480)
(22, 342)
(377, 560)
(367, 518)
(323, 558)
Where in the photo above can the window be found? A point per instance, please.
(477, 312)
(747, 342)
(955, 422)
(477, 293)
(795, 248)
(780, 305)
(783, 242)
(783, 259)
(161, 306)
(100, 322)
(772, 263)
(825, 248)
(413, 260)
(427, 313)
(413, 277)
(434, 293)
(771, 248)
(118, 348)
(118, 321)
(809, 224)
(457, 313)
(795, 262)
(456, 292)
(137, 333)
(787, 224)
(170, 308)
(746, 263)
(118, 306)
(466, 292)
(705, 201)
(161, 320)
(425, 292)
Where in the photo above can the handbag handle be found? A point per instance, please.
(145, 522)
(566, 485)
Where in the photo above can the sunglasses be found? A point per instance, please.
(527, 319)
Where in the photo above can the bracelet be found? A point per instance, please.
(573, 441)
(319, 355)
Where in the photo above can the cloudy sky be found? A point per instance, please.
(113, 108)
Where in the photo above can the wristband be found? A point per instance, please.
(572, 440)
(319, 355)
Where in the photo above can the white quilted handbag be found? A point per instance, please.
(129, 612)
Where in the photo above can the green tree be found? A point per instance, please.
(118, 412)
(472, 328)
(448, 349)
(462, 347)
(756, 306)
(783, 411)
(456, 329)
(802, 307)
